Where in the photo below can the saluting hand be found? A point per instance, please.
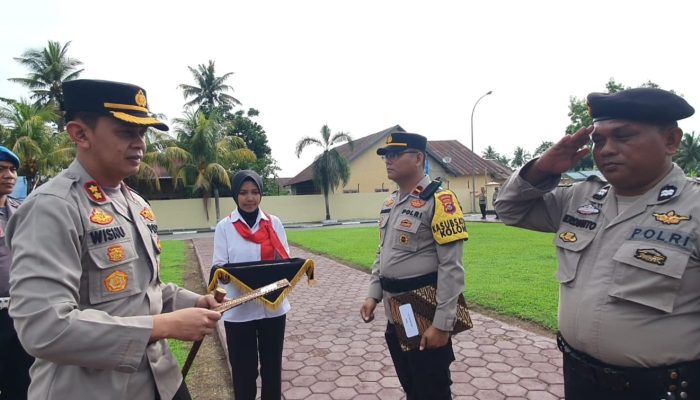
(433, 338)
(561, 157)
(367, 310)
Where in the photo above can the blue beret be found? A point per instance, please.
(400, 141)
(640, 104)
(122, 101)
(7, 155)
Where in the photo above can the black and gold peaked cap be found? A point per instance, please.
(399, 141)
(123, 101)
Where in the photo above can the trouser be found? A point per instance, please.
(245, 341)
(587, 378)
(482, 207)
(14, 362)
(424, 375)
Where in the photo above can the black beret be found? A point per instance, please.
(640, 104)
(402, 141)
(122, 101)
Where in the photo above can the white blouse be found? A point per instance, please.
(230, 247)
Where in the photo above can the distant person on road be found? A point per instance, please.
(254, 333)
(482, 202)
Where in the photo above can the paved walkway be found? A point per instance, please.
(329, 353)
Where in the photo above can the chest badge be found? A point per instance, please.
(417, 203)
(667, 192)
(100, 217)
(588, 209)
(671, 218)
(146, 213)
(388, 202)
(568, 237)
(115, 253)
(406, 223)
(652, 256)
(116, 281)
(95, 192)
(403, 239)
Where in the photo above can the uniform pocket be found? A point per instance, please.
(406, 233)
(570, 244)
(649, 274)
(112, 273)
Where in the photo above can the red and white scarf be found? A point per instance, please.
(271, 248)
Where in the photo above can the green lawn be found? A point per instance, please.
(508, 270)
(172, 269)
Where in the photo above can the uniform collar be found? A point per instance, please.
(235, 215)
(90, 187)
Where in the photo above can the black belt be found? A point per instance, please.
(677, 381)
(404, 285)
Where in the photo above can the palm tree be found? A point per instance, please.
(688, 156)
(209, 89)
(330, 168)
(490, 153)
(42, 152)
(544, 146)
(48, 69)
(203, 155)
(520, 157)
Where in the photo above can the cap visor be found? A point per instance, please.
(145, 121)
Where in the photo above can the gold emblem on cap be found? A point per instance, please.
(116, 281)
(590, 111)
(389, 139)
(141, 98)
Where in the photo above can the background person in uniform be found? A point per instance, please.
(493, 200)
(249, 234)
(87, 297)
(482, 202)
(409, 255)
(628, 250)
(14, 361)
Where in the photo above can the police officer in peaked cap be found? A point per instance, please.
(628, 249)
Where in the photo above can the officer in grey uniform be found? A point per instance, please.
(14, 360)
(628, 250)
(87, 297)
(415, 250)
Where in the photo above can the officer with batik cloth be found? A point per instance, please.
(628, 250)
(421, 243)
(87, 296)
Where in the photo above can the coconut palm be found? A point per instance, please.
(203, 156)
(42, 152)
(330, 168)
(688, 156)
(209, 91)
(490, 153)
(48, 69)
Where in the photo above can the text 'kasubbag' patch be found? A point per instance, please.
(448, 220)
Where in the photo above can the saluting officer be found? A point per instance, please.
(414, 251)
(628, 250)
(14, 361)
(87, 297)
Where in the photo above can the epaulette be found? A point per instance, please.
(431, 189)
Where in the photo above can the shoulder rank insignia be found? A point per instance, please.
(146, 213)
(667, 192)
(95, 192)
(116, 281)
(115, 253)
(448, 221)
(388, 202)
(417, 203)
(100, 217)
(417, 191)
(652, 256)
(671, 218)
(600, 195)
(568, 237)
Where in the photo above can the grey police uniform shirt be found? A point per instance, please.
(630, 281)
(407, 249)
(6, 212)
(85, 284)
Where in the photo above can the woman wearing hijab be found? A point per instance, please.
(249, 234)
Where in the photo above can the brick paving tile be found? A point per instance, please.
(331, 354)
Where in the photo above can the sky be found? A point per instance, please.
(363, 66)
